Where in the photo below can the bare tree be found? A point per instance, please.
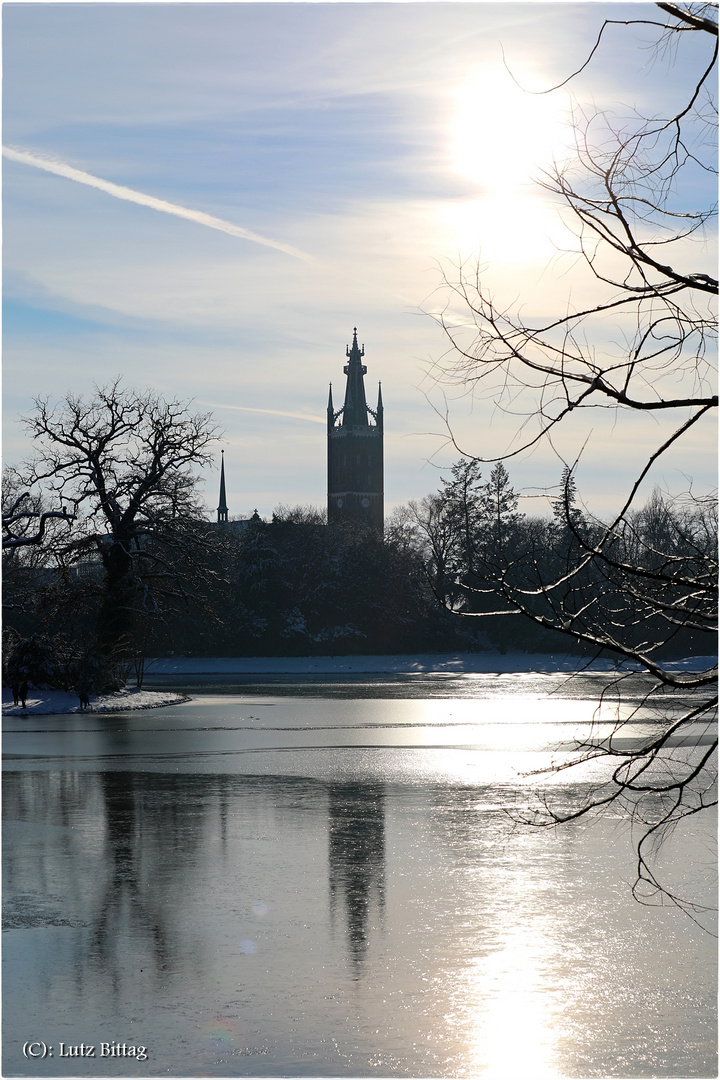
(25, 519)
(31, 533)
(123, 463)
(21, 519)
(443, 525)
(645, 345)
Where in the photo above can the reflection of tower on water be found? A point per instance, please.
(153, 832)
(357, 859)
(122, 905)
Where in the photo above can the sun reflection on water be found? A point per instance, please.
(514, 1030)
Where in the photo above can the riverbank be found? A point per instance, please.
(176, 669)
(44, 702)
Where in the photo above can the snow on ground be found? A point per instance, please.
(445, 663)
(62, 701)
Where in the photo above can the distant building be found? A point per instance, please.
(238, 525)
(354, 455)
(355, 450)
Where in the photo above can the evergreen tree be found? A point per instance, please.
(498, 509)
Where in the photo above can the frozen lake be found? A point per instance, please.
(319, 877)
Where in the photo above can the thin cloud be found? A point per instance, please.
(266, 412)
(59, 168)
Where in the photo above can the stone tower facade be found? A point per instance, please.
(355, 450)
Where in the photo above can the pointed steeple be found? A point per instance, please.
(379, 413)
(222, 511)
(355, 411)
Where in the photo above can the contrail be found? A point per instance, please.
(59, 168)
(267, 412)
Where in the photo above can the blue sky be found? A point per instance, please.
(369, 143)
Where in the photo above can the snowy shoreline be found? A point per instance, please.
(43, 702)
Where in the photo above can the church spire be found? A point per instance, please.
(222, 511)
(355, 410)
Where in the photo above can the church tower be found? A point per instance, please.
(355, 450)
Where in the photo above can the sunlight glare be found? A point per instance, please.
(502, 136)
(515, 1035)
(505, 227)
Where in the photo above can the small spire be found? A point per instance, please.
(330, 411)
(380, 404)
(354, 351)
(222, 510)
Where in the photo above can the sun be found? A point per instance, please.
(501, 136)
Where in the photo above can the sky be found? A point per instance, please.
(207, 198)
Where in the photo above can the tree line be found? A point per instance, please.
(639, 586)
(113, 560)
